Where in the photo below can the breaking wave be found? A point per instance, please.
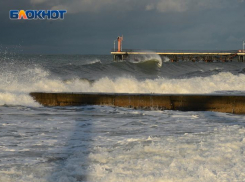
(147, 59)
(15, 87)
(94, 61)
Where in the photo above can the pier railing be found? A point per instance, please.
(177, 51)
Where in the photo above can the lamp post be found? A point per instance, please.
(243, 44)
(115, 45)
(121, 42)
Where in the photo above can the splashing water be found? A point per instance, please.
(94, 61)
(151, 57)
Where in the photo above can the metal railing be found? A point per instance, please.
(177, 51)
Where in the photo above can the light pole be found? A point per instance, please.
(121, 43)
(243, 46)
(115, 45)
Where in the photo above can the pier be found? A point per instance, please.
(175, 56)
(183, 102)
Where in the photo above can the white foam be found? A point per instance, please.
(166, 59)
(93, 61)
(81, 145)
(17, 99)
(220, 82)
(215, 157)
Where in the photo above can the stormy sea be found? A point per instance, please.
(103, 143)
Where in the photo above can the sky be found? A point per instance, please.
(91, 26)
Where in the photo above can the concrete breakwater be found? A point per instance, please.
(217, 103)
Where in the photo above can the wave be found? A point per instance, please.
(15, 88)
(154, 58)
(93, 61)
(222, 82)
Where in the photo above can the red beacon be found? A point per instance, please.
(119, 43)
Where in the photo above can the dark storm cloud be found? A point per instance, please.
(90, 26)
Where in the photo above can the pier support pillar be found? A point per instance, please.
(117, 57)
(241, 58)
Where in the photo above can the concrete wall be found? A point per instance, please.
(219, 103)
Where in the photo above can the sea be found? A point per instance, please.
(113, 144)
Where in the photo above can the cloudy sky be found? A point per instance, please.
(90, 26)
